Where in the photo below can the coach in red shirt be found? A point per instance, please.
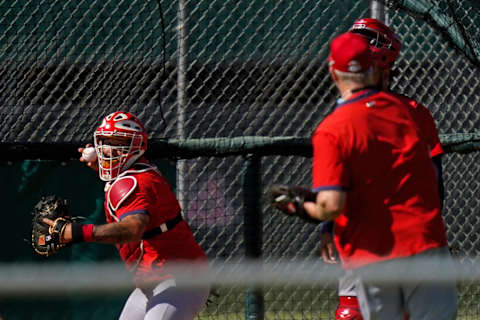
(373, 174)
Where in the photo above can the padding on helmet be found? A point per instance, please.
(385, 44)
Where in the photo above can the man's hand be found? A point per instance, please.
(91, 164)
(66, 235)
(290, 200)
(327, 248)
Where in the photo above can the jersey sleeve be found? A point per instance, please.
(429, 128)
(330, 171)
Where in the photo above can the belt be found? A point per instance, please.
(164, 227)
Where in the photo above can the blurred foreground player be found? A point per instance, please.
(375, 178)
(144, 221)
(386, 45)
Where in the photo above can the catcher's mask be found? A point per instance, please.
(119, 141)
(385, 44)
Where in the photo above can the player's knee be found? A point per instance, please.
(348, 309)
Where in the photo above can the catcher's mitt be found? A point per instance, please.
(45, 238)
(289, 199)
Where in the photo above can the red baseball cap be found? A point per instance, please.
(350, 52)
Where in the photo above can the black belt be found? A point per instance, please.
(164, 227)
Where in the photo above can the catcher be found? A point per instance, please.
(144, 222)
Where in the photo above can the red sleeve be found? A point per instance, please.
(427, 123)
(329, 167)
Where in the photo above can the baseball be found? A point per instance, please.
(89, 154)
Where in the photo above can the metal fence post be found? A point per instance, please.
(377, 10)
(181, 99)
(254, 300)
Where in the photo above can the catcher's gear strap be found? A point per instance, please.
(139, 167)
(120, 190)
(164, 227)
(58, 227)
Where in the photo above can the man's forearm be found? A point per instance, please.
(124, 231)
(328, 206)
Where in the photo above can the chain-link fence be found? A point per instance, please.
(201, 69)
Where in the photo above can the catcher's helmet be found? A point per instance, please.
(120, 140)
(383, 41)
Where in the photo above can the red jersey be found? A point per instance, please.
(426, 124)
(153, 196)
(372, 148)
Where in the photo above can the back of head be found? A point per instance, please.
(383, 41)
(351, 58)
(120, 141)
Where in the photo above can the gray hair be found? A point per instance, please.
(366, 77)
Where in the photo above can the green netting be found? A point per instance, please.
(457, 21)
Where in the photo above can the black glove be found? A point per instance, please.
(46, 239)
(289, 199)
